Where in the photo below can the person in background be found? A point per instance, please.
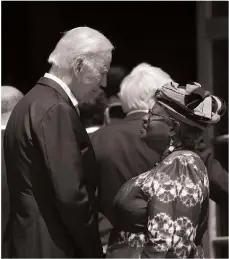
(114, 112)
(10, 96)
(92, 113)
(53, 179)
(163, 213)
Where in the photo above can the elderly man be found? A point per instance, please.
(122, 155)
(52, 180)
(10, 96)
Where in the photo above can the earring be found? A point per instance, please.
(171, 146)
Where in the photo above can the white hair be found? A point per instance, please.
(78, 42)
(137, 91)
(10, 96)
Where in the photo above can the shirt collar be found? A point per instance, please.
(92, 129)
(3, 127)
(65, 88)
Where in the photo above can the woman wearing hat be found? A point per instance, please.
(163, 213)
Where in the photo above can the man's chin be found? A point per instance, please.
(92, 97)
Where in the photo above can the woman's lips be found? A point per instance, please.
(144, 126)
(143, 129)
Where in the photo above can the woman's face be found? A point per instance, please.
(155, 129)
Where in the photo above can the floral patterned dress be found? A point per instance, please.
(162, 213)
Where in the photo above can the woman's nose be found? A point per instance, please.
(145, 118)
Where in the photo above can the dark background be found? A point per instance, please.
(161, 33)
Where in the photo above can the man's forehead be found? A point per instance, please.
(103, 59)
(105, 56)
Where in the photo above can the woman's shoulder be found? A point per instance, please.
(181, 174)
(184, 153)
(184, 157)
(186, 166)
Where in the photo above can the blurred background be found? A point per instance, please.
(188, 40)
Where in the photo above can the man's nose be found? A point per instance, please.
(104, 81)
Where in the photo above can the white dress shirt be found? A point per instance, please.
(65, 88)
(92, 129)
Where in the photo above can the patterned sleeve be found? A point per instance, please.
(176, 194)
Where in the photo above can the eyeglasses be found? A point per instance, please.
(160, 117)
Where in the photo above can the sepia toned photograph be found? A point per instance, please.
(114, 129)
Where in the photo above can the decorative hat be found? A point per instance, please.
(191, 104)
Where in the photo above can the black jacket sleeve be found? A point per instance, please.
(218, 177)
(68, 180)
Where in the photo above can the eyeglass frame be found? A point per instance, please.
(166, 118)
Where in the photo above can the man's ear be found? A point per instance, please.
(78, 65)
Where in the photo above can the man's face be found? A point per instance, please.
(91, 75)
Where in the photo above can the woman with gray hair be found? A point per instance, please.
(163, 212)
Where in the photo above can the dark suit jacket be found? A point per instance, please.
(122, 155)
(51, 176)
(218, 178)
(5, 192)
